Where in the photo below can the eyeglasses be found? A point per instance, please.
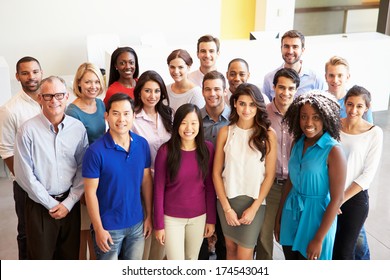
(49, 97)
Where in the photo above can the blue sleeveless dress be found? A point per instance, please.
(309, 196)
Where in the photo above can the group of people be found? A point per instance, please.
(158, 171)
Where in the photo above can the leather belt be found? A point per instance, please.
(61, 197)
(280, 181)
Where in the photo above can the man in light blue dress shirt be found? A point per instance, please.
(49, 149)
(292, 48)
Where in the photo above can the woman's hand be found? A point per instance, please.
(160, 236)
(231, 218)
(247, 216)
(209, 230)
(314, 249)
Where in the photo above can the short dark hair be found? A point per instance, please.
(214, 75)
(294, 34)
(289, 74)
(26, 59)
(239, 60)
(119, 96)
(206, 39)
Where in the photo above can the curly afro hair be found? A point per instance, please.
(324, 103)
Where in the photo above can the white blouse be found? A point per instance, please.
(363, 152)
(243, 173)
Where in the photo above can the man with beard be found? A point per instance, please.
(292, 48)
(21, 107)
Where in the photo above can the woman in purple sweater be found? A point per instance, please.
(184, 195)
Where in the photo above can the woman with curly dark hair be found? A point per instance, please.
(244, 170)
(306, 220)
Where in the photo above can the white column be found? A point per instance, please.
(5, 84)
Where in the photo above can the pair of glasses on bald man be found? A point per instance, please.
(49, 96)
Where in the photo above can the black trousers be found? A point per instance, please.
(220, 247)
(20, 205)
(349, 223)
(51, 239)
(289, 254)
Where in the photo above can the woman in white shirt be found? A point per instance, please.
(153, 121)
(362, 143)
(244, 171)
(183, 90)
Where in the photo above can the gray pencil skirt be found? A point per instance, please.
(244, 235)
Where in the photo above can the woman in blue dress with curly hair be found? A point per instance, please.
(306, 219)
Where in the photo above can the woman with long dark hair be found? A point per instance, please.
(244, 171)
(153, 121)
(184, 195)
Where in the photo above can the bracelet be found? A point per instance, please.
(227, 211)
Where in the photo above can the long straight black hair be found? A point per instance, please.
(174, 144)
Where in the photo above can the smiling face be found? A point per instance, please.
(310, 122)
(285, 90)
(178, 69)
(292, 50)
(125, 64)
(237, 74)
(120, 118)
(213, 93)
(89, 85)
(246, 107)
(53, 109)
(189, 128)
(208, 54)
(355, 107)
(29, 75)
(337, 77)
(150, 94)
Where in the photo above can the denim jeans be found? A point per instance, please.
(128, 243)
(362, 250)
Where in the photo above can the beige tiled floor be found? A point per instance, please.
(377, 224)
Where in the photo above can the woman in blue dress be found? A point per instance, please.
(306, 219)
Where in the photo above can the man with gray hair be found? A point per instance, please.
(49, 149)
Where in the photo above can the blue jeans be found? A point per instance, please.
(128, 243)
(362, 251)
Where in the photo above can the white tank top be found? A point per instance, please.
(243, 171)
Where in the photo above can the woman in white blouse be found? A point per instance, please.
(362, 143)
(153, 121)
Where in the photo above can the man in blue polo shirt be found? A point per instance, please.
(118, 182)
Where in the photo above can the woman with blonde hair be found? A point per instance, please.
(88, 84)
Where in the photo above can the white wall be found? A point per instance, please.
(55, 31)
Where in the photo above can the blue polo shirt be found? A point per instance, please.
(120, 176)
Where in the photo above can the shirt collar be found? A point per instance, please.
(109, 142)
(50, 126)
(225, 113)
(323, 141)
